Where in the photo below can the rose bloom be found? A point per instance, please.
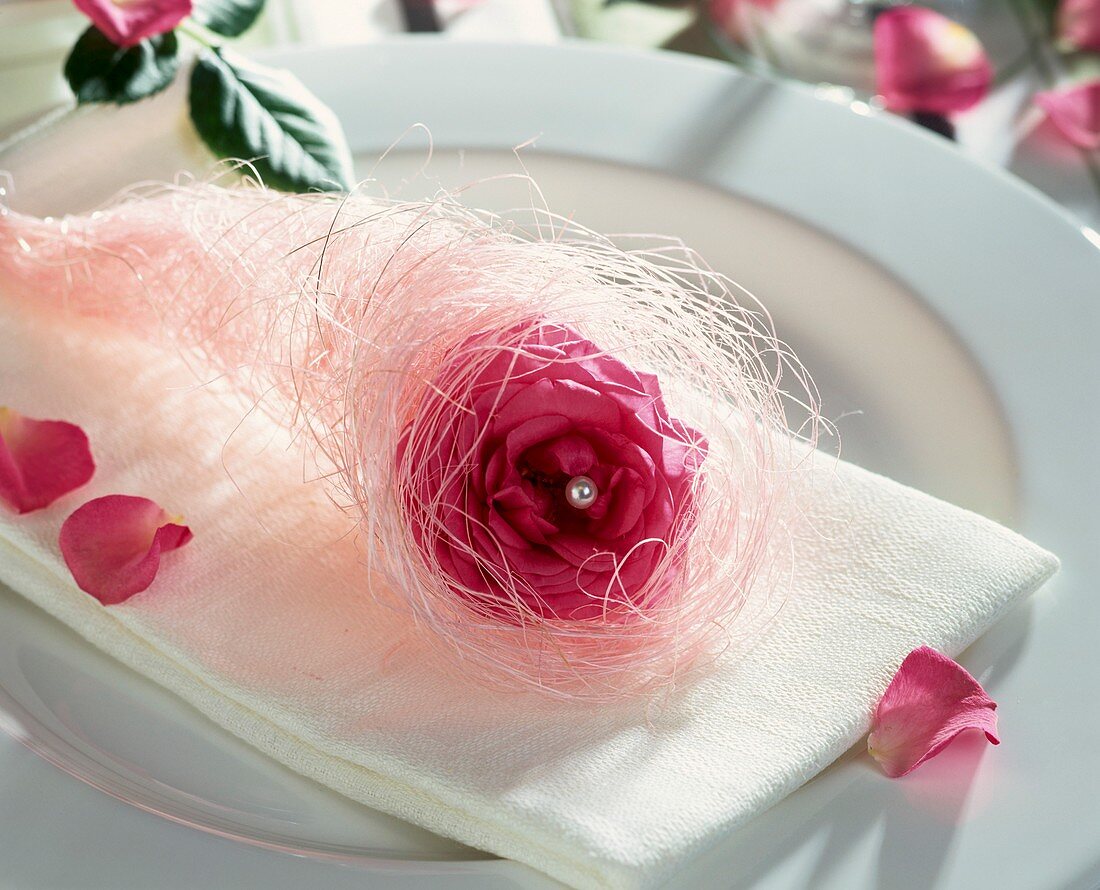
(924, 61)
(128, 22)
(553, 482)
(1078, 23)
(1075, 112)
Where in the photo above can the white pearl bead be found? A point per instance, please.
(581, 492)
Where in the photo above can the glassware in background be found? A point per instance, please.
(829, 41)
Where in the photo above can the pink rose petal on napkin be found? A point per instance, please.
(1075, 112)
(113, 544)
(924, 61)
(128, 22)
(40, 460)
(1079, 23)
(930, 701)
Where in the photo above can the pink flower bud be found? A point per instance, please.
(40, 460)
(1079, 23)
(924, 61)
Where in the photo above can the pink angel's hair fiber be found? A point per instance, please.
(334, 314)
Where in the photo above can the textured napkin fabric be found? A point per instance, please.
(262, 622)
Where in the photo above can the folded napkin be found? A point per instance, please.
(263, 623)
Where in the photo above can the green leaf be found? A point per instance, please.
(230, 18)
(99, 71)
(258, 114)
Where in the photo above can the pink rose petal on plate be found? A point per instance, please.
(1075, 112)
(128, 22)
(930, 701)
(40, 460)
(112, 545)
(924, 61)
(1078, 23)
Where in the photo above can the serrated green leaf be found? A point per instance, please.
(99, 71)
(230, 18)
(258, 114)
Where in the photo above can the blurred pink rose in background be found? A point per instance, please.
(1075, 111)
(1079, 23)
(924, 61)
(128, 22)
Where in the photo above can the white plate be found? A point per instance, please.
(950, 305)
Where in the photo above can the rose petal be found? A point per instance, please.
(571, 455)
(40, 460)
(1079, 23)
(1075, 112)
(930, 701)
(487, 499)
(112, 545)
(924, 61)
(128, 22)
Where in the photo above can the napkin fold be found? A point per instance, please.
(263, 622)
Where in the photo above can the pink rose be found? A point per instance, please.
(550, 478)
(1079, 23)
(1075, 112)
(924, 61)
(128, 22)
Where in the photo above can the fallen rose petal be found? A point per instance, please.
(128, 22)
(924, 61)
(1078, 24)
(1075, 112)
(930, 701)
(113, 544)
(40, 460)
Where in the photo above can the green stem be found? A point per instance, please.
(199, 36)
(1094, 171)
(1010, 71)
(1035, 35)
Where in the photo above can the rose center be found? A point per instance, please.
(581, 492)
(560, 489)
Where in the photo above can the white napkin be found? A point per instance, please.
(263, 624)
